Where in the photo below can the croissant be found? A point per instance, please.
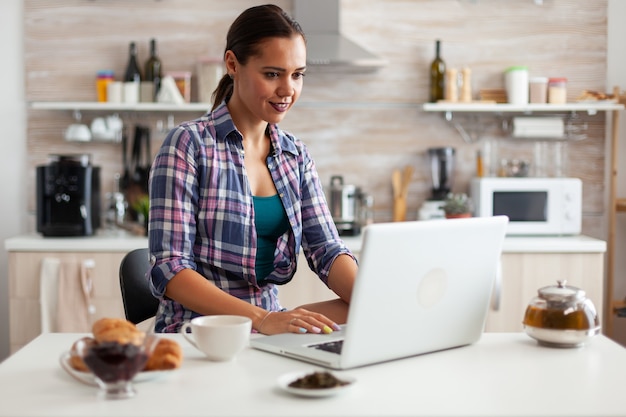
(117, 330)
(166, 355)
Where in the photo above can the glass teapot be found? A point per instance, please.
(561, 316)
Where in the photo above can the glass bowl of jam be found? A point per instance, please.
(561, 316)
(115, 364)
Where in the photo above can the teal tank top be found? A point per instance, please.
(271, 222)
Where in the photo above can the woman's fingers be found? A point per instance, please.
(293, 324)
(304, 321)
(298, 321)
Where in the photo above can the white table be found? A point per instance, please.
(503, 374)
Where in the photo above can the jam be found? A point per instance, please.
(111, 361)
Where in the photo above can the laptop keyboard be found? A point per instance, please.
(333, 347)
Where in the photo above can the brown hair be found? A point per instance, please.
(252, 27)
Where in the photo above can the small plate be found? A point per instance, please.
(285, 380)
(89, 379)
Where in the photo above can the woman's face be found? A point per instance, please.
(270, 83)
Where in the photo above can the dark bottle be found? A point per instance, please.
(153, 69)
(132, 74)
(437, 75)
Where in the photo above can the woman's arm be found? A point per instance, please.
(341, 280)
(191, 289)
(342, 276)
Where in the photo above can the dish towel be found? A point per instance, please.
(48, 292)
(74, 302)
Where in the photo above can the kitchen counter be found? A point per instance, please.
(113, 241)
(103, 241)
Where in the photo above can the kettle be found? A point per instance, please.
(349, 206)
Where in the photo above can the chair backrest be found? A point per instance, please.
(139, 303)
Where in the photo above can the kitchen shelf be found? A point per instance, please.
(471, 128)
(590, 107)
(139, 107)
(202, 107)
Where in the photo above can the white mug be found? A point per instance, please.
(78, 133)
(219, 337)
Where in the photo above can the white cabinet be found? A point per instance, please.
(304, 288)
(24, 289)
(524, 273)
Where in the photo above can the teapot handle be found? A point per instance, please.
(497, 288)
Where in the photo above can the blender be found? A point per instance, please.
(441, 172)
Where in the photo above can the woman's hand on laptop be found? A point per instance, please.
(298, 320)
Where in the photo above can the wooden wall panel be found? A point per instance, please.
(359, 125)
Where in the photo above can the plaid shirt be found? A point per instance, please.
(202, 214)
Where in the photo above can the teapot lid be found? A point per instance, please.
(561, 292)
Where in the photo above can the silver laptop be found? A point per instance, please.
(422, 287)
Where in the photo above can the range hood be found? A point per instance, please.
(326, 46)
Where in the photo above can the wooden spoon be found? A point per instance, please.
(396, 183)
(406, 180)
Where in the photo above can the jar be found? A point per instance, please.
(103, 78)
(452, 85)
(538, 90)
(561, 316)
(466, 85)
(516, 83)
(557, 90)
(210, 72)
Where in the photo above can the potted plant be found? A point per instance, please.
(456, 206)
(142, 208)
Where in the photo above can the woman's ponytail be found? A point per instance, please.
(223, 90)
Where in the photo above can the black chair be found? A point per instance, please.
(139, 303)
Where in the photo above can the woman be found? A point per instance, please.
(233, 197)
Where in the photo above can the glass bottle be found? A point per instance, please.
(437, 75)
(132, 74)
(103, 79)
(153, 69)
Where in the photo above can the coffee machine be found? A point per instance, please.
(441, 163)
(68, 196)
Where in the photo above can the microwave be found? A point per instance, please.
(534, 206)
